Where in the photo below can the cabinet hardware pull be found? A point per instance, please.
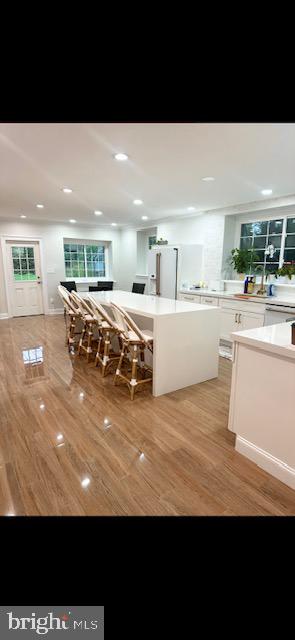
(239, 318)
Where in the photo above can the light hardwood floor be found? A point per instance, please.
(63, 453)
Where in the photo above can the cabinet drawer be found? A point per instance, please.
(210, 300)
(189, 298)
(241, 305)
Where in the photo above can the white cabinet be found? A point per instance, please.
(250, 320)
(189, 297)
(210, 300)
(229, 323)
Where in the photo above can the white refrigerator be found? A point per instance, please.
(172, 266)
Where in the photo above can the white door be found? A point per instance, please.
(229, 323)
(251, 321)
(24, 278)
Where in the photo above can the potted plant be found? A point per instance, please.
(286, 271)
(242, 260)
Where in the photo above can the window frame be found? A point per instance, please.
(85, 243)
(284, 234)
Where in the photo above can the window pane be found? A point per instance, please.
(260, 255)
(246, 243)
(66, 247)
(275, 226)
(32, 275)
(23, 264)
(271, 267)
(16, 265)
(275, 240)
(22, 251)
(290, 241)
(289, 255)
(246, 230)
(291, 225)
(259, 242)
(260, 228)
(17, 275)
(15, 252)
(30, 252)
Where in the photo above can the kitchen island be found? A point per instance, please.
(186, 337)
(262, 399)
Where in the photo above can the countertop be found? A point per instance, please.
(149, 306)
(275, 338)
(284, 300)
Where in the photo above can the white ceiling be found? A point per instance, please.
(165, 167)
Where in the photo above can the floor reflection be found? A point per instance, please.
(33, 360)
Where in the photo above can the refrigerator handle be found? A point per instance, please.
(158, 272)
(176, 272)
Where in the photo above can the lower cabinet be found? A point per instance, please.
(238, 321)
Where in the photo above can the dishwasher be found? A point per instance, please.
(276, 313)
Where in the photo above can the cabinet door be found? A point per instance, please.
(229, 323)
(250, 321)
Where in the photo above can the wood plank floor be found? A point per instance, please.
(73, 444)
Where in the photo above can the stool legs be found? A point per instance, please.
(133, 381)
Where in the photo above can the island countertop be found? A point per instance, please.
(145, 305)
(275, 338)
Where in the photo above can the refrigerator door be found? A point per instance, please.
(167, 272)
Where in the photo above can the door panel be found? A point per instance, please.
(24, 278)
(251, 321)
(229, 323)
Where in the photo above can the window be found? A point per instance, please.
(84, 260)
(23, 263)
(289, 250)
(258, 235)
(152, 240)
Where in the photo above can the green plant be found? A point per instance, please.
(242, 259)
(288, 269)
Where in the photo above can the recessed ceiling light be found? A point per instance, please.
(137, 202)
(144, 217)
(191, 208)
(266, 192)
(72, 221)
(67, 190)
(114, 224)
(85, 482)
(98, 213)
(40, 206)
(208, 179)
(23, 216)
(121, 156)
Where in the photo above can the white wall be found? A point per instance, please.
(52, 236)
(208, 230)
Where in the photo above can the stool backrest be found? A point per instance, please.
(65, 296)
(126, 322)
(138, 287)
(100, 313)
(82, 304)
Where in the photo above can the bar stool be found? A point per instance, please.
(89, 325)
(108, 330)
(134, 342)
(72, 312)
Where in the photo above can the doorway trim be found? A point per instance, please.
(9, 238)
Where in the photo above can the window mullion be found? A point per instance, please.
(85, 260)
(284, 233)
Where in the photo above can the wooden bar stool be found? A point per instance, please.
(134, 342)
(71, 312)
(89, 325)
(105, 355)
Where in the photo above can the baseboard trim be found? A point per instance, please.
(54, 312)
(266, 461)
(4, 316)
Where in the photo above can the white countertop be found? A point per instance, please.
(149, 306)
(285, 300)
(275, 338)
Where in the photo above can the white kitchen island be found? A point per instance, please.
(186, 337)
(262, 404)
